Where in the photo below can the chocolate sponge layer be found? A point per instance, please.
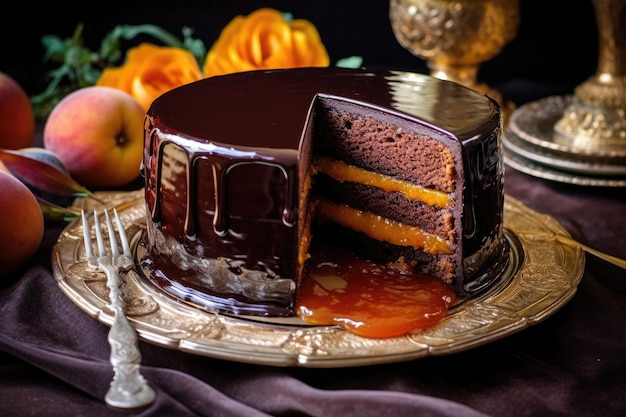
(442, 266)
(386, 148)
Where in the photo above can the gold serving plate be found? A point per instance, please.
(542, 276)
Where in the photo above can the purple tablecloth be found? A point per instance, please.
(54, 357)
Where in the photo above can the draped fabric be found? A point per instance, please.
(54, 357)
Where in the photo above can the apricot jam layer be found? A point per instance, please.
(383, 229)
(369, 299)
(341, 172)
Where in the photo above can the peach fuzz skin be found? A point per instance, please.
(17, 120)
(21, 224)
(97, 132)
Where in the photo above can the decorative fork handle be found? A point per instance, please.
(128, 389)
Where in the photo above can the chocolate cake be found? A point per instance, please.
(246, 174)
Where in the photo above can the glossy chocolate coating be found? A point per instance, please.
(243, 137)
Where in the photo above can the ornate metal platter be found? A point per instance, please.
(531, 147)
(542, 276)
(546, 172)
(534, 123)
(575, 165)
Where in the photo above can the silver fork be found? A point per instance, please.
(128, 388)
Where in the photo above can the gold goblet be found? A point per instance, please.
(456, 36)
(596, 119)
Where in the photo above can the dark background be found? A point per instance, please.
(556, 43)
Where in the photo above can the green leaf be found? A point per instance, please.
(89, 76)
(41, 175)
(55, 48)
(196, 46)
(111, 42)
(53, 212)
(353, 62)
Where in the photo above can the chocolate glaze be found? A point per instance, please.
(243, 136)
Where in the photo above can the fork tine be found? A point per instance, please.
(122, 233)
(101, 248)
(87, 238)
(115, 251)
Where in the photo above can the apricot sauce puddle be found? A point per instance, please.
(370, 299)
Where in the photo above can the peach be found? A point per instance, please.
(97, 132)
(21, 224)
(17, 120)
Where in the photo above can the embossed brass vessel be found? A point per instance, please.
(456, 36)
(596, 119)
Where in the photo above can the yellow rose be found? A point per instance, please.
(265, 40)
(150, 71)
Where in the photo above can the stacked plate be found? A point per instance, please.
(529, 147)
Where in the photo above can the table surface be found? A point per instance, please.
(54, 358)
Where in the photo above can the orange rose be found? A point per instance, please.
(151, 70)
(265, 40)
